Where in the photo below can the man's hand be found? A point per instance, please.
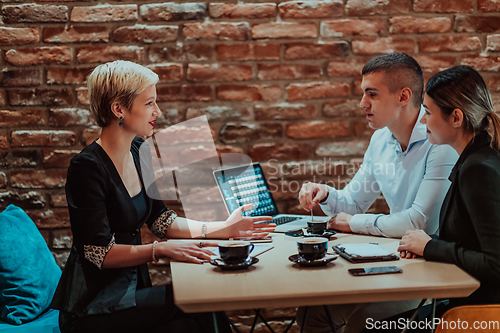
(340, 222)
(311, 194)
(414, 241)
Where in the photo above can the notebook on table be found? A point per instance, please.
(246, 184)
(366, 252)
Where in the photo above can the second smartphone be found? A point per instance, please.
(375, 270)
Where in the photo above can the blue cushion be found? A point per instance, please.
(48, 322)
(28, 272)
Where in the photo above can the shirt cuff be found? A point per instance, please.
(365, 224)
(328, 206)
(162, 223)
(96, 254)
(358, 224)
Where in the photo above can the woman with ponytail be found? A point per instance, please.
(459, 113)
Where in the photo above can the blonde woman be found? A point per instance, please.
(105, 286)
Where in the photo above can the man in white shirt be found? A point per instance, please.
(400, 163)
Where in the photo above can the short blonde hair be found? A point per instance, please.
(118, 81)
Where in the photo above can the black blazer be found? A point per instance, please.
(469, 233)
(100, 208)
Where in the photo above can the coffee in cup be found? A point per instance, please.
(316, 227)
(312, 248)
(235, 252)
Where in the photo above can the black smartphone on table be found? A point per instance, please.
(375, 270)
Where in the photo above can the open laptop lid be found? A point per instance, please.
(246, 184)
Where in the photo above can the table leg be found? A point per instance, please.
(304, 321)
(257, 316)
(264, 321)
(216, 327)
(233, 325)
(415, 314)
(433, 313)
(289, 325)
(255, 319)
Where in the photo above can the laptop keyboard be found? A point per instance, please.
(284, 219)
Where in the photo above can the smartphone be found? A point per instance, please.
(375, 270)
(295, 232)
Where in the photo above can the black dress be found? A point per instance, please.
(102, 214)
(469, 233)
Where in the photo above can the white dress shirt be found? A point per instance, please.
(413, 182)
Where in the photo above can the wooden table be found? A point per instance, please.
(277, 282)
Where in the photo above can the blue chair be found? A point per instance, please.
(46, 323)
(28, 276)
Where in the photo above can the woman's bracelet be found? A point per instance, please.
(155, 261)
(204, 230)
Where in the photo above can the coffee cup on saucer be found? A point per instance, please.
(312, 248)
(316, 227)
(235, 252)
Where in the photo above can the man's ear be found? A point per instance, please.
(405, 96)
(117, 110)
(456, 118)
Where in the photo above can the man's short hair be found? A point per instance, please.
(118, 81)
(401, 71)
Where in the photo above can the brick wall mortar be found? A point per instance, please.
(59, 60)
(323, 64)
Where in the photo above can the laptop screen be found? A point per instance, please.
(246, 184)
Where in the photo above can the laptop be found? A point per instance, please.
(246, 184)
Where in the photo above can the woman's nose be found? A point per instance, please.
(157, 111)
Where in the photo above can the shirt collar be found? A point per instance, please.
(419, 133)
(480, 140)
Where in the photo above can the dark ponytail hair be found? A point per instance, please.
(495, 123)
(462, 87)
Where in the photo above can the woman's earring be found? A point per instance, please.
(120, 123)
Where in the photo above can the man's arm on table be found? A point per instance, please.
(358, 195)
(423, 213)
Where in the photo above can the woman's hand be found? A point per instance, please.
(414, 241)
(186, 251)
(237, 225)
(407, 255)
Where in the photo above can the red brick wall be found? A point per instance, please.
(277, 79)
